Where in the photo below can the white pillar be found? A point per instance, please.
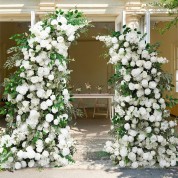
(124, 17)
(147, 20)
(32, 18)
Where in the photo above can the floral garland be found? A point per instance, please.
(143, 137)
(38, 107)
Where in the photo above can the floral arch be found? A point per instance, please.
(38, 107)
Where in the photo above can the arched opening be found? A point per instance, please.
(90, 66)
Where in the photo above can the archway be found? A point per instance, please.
(38, 107)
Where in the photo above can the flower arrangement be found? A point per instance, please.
(143, 136)
(109, 88)
(99, 88)
(38, 107)
(88, 86)
(78, 90)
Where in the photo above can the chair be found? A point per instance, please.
(98, 106)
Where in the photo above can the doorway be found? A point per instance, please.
(90, 66)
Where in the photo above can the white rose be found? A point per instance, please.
(34, 79)
(136, 72)
(145, 83)
(31, 163)
(132, 156)
(152, 85)
(45, 153)
(135, 165)
(65, 151)
(51, 77)
(148, 129)
(17, 165)
(121, 37)
(43, 105)
(132, 63)
(49, 102)
(147, 91)
(121, 51)
(54, 22)
(71, 38)
(49, 117)
(147, 65)
(40, 93)
(54, 110)
(153, 71)
(141, 137)
(121, 163)
(127, 126)
(19, 97)
(131, 86)
(114, 40)
(123, 152)
(56, 121)
(139, 63)
(152, 118)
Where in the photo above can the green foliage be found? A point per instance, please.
(16, 51)
(172, 6)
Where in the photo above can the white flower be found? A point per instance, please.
(121, 163)
(35, 79)
(146, 156)
(135, 165)
(71, 38)
(147, 65)
(132, 156)
(153, 71)
(147, 91)
(123, 152)
(148, 129)
(17, 165)
(54, 22)
(152, 85)
(114, 40)
(127, 126)
(141, 137)
(56, 121)
(145, 83)
(49, 117)
(31, 163)
(160, 138)
(121, 37)
(51, 77)
(45, 153)
(65, 151)
(49, 102)
(44, 105)
(126, 44)
(121, 51)
(131, 86)
(19, 97)
(40, 93)
(145, 54)
(136, 72)
(22, 89)
(24, 164)
(54, 110)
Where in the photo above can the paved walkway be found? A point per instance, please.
(91, 173)
(91, 162)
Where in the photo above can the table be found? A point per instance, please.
(108, 96)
